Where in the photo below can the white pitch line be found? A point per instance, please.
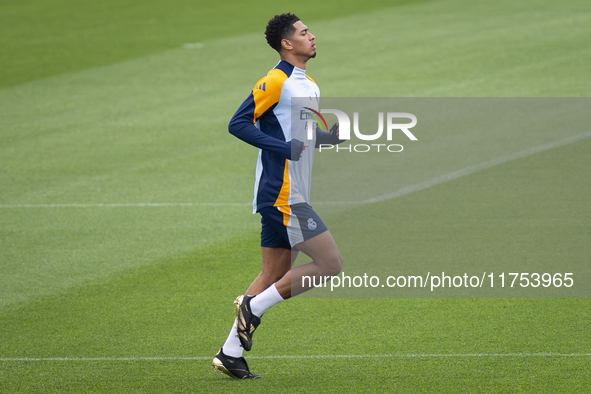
(135, 205)
(388, 196)
(476, 168)
(303, 357)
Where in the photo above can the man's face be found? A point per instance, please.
(302, 41)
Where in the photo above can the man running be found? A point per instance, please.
(277, 123)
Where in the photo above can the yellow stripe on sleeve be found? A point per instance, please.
(267, 92)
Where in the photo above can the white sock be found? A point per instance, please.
(265, 300)
(232, 346)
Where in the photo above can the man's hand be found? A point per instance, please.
(297, 149)
(334, 130)
(305, 146)
(330, 137)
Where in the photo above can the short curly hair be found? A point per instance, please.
(280, 27)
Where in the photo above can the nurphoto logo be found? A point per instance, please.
(393, 124)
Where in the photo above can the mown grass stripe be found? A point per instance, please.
(388, 196)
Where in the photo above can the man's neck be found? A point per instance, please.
(294, 61)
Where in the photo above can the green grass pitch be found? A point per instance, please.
(125, 231)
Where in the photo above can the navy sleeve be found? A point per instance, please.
(330, 138)
(241, 126)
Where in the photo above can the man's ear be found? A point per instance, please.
(286, 44)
